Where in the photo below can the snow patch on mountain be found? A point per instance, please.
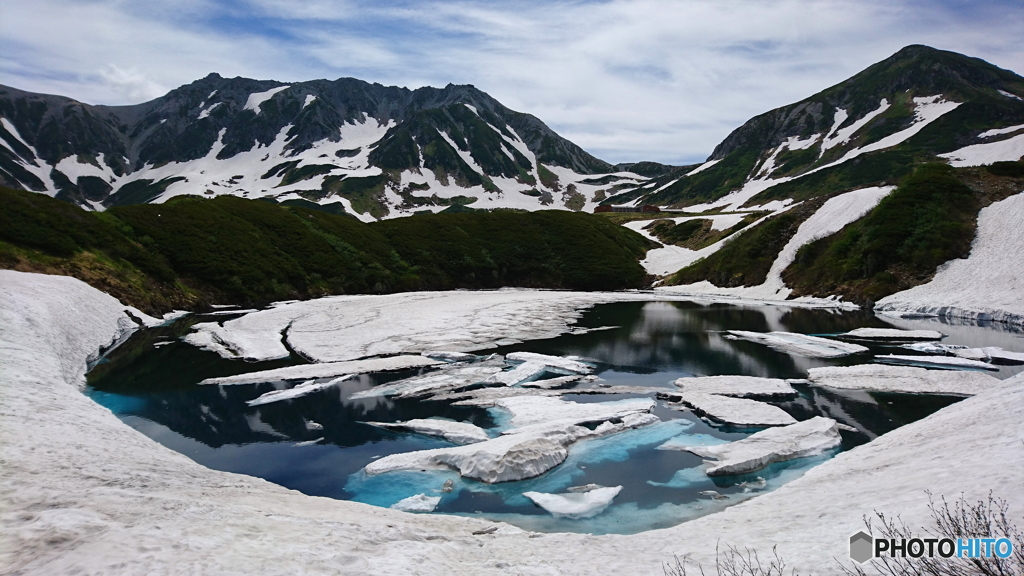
(33, 167)
(256, 99)
(206, 111)
(842, 136)
(1000, 131)
(703, 167)
(1013, 96)
(987, 153)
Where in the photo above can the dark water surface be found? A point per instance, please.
(151, 383)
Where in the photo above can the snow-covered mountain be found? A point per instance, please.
(371, 150)
(921, 104)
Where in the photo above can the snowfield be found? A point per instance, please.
(84, 493)
(985, 285)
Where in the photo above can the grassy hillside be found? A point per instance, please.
(190, 252)
(930, 219)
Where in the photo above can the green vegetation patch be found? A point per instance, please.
(746, 259)
(191, 251)
(930, 219)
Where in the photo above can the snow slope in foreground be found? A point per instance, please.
(988, 284)
(83, 492)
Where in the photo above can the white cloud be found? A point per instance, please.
(627, 80)
(132, 85)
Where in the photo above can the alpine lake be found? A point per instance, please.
(151, 382)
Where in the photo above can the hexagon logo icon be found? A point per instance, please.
(860, 547)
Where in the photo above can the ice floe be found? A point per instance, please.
(736, 411)
(325, 370)
(300, 390)
(521, 373)
(552, 383)
(934, 347)
(542, 429)
(993, 354)
(905, 379)
(446, 356)
(575, 505)
(760, 449)
(686, 441)
(950, 362)
(551, 363)
(417, 503)
(448, 378)
(801, 344)
(892, 334)
(487, 397)
(450, 430)
(739, 386)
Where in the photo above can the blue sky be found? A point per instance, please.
(661, 80)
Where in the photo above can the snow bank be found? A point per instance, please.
(760, 449)
(325, 370)
(981, 286)
(892, 334)
(801, 344)
(740, 386)
(455, 432)
(736, 411)
(417, 503)
(907, 379)
(940, 361)
(575, 505)
(85, 493)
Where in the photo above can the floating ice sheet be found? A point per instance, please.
(739, 386)
(737, 411)
(801, 344)
(807, 438)
(937, 361)
(993, 354)
(325, 370)
(575, 505)
(553, 363)
(417, 503)
(542, 430)
(301, 390)
(450, 430)
(904, 379)
(893, 334)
